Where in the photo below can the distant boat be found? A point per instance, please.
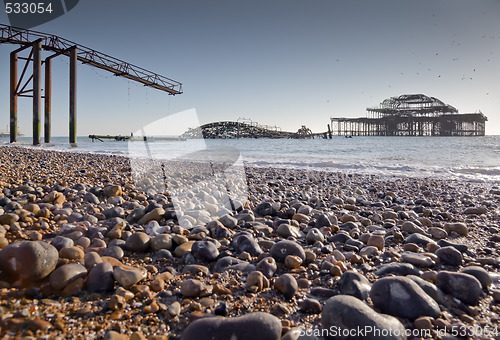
(6, 133)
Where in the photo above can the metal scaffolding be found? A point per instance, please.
(48, 42)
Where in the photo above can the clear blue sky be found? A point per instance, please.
(278, 62)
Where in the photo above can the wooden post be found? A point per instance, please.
(72, 96)
(37, 67)
(48, 94)
(13, 97)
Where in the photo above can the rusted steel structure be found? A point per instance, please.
(247, 129)
(412, 115)
(37, 41)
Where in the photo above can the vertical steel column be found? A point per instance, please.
(48, 99)
(13, 97)
(37, 68)
(72, 96)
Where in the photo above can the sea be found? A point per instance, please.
(474, 159)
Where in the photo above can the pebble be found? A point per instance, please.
(427, 287)
(412, 228)
(419, 260)
(479, 273)
(449, 255)
(354, 284)
(310, 306)
(280, 250)
(155, 214)
(293, 261)
(162, 241)
(29, 261)
(349, 315)
(458, 227)
(437, 233)
(61, 242)
(397, 268)
(315, 235)
(228, 262)
(192, 288)
(460, 247)
(287, 285)
(376, 241)
(256, 282)
(128, 276)
(251, 326)
(72, 253)
(65, 274)
(100, 278)
(9, 218)
(475, 211)
(267, 266)
(463, 286)
(402, 297)
(205, 250)
(419, 239)
(138, 241)
(245, 242)
(183, 248)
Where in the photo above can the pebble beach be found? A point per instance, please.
(88, 253)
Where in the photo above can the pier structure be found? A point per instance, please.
(29, 82)
(247, 129)
(411, 115)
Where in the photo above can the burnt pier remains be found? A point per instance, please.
(412, 115)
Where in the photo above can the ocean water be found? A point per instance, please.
(466, 158)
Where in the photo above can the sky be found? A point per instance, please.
(278, 62)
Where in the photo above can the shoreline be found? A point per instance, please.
(328, 224)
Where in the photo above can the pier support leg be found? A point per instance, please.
(37, 66)
(13, 97)
(48, 99)
(72, 96)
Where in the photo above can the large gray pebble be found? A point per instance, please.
(449, 255)
(463, 286)
(400, 296)
(347, 315)
(479, 273)
(397, 268)
(244, 241)
(354, 284)
(28, 261)
(138, 241)
(205, 250)
(66, 274)
(284, 248)
(259, 325)
(228, 262)
(100, 278)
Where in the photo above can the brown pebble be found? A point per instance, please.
(72, 253)
(377, 241)
(138, 336)
(424, 322)
(293, 261)
(432, 247)
(413, 247)
(335, 270)
(152, 308)
(117, 302)
(157, 285)
(429, 276)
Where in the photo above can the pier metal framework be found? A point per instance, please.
(247, 129)
(38, 41)
(412, 115)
